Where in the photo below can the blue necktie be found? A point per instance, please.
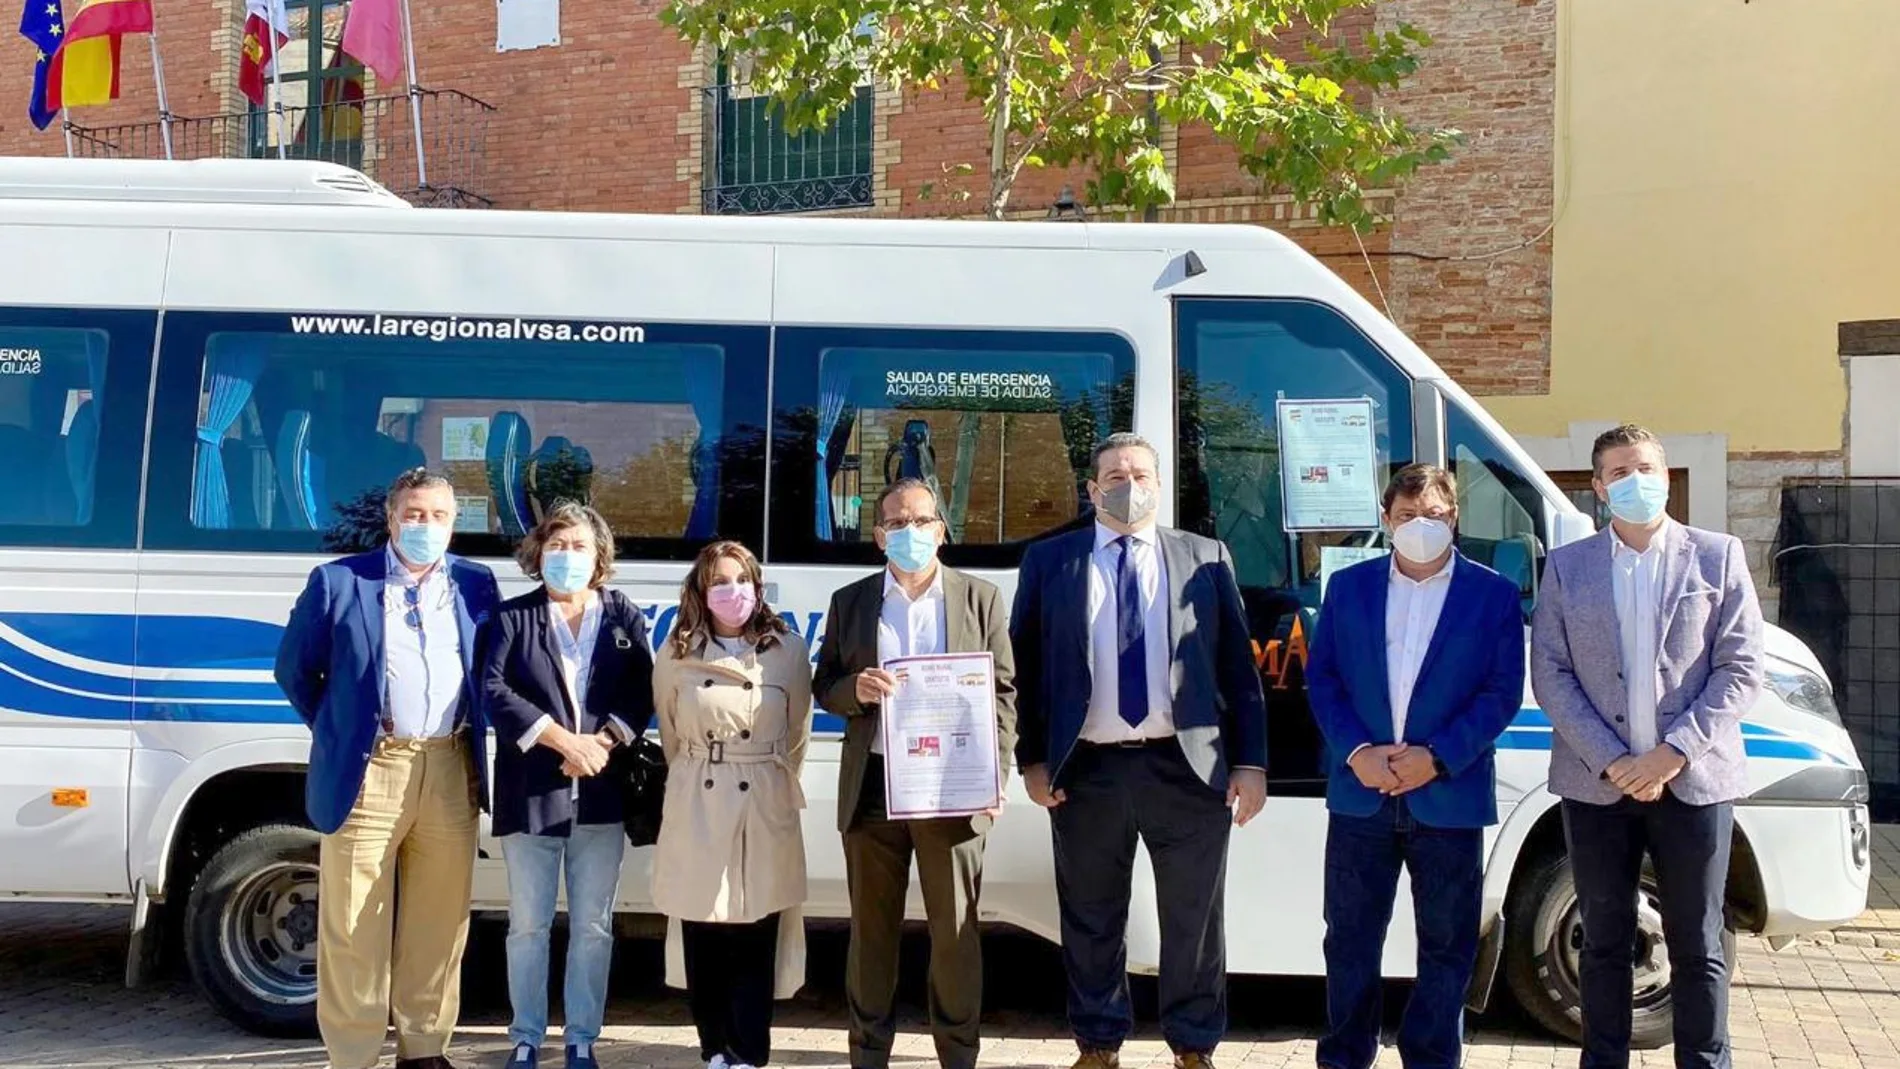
(1131, 653)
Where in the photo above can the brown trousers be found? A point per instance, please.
(877, 856)
(378, 955)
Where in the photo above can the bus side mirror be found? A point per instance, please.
(1568, 525)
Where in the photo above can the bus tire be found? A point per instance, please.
(1544, 939)
(250, 930)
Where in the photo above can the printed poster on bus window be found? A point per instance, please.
(464, 438)
(1328, 468)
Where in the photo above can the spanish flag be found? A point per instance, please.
(85, 69)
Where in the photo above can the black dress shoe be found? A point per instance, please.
(433, 1062)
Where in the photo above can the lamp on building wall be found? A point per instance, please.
(1066, 206)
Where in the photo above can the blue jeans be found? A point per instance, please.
(1363, 857)
(592, 861)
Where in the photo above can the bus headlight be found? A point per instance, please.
(1802, 689)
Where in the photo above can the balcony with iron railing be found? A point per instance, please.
(754, 166)
(427, 146)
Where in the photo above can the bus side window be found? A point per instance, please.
(281, 432)
(1500, 513)
(1235, 360)
(68, 397)
(1001, 424)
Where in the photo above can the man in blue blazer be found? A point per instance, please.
(378, 660)
(1140, 716)
(1416, 668)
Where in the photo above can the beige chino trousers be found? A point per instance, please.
(382, 955)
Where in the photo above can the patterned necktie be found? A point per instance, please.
(1131, 653)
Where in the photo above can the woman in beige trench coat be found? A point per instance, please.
(732, 688)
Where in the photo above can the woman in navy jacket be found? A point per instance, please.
(566, 678)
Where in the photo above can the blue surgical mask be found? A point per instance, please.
(567, 571)
(912, 548)
(1639, 497)
(422, 544)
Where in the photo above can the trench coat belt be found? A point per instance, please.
(736, 753)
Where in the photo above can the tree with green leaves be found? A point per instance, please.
(1090, 83)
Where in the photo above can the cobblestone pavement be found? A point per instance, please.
(1829, 1003)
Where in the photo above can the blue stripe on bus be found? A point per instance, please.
(30, 683)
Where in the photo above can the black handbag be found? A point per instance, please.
(642, 775)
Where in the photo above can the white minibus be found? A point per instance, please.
(209, 370)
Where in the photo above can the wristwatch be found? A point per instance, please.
(1438, 766)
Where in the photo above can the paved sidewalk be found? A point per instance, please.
(1820, 1003)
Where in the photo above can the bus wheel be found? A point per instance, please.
(1544, 943)
(251, 931)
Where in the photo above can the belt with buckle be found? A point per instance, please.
(1129, 744)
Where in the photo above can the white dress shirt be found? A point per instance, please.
(1105, 724)
(422, 668)
(907, 628)
(1636, 581)
(577, 670)
(1412, 609)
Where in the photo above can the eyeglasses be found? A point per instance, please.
(894, 526)
(412, 596)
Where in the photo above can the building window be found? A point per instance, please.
(322, 91)
(1575, 485)
(757, 167)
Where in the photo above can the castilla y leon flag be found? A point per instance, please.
(85, 69)
(266, 29)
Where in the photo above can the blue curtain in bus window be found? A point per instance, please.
(82, 438)
(705, 390)
(297, 470)
(231, 371)
(834, 388)
(509, 444)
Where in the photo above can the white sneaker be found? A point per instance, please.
(719, 1062)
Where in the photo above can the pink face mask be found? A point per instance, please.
(733, 603)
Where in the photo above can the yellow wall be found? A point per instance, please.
(1728, 190)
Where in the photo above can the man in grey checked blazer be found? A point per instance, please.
(1646, 649)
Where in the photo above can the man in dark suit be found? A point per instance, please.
(1417, 667)
(378, 660)
(915, 607)
(1141, 716)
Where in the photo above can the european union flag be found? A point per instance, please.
(42, 23)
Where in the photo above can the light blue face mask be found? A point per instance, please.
(422, 544)
(1639, 497)
(567, 571)
(912, 548)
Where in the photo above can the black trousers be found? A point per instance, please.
(1689, 845)
(730, 970)
(1117, 795)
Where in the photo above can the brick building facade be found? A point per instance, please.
(623, 116)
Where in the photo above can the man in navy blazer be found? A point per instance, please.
(1140, 716)
(1416, 668)
(378, 660)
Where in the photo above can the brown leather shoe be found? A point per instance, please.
(1194, 1061)
(1098, 1059)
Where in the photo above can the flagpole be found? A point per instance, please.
(158, 77)
(415, 97)
(277, 81)
(66, 127)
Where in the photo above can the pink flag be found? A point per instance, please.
(372, 32)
